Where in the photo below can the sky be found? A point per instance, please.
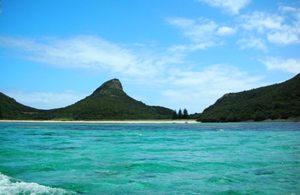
(172, 53)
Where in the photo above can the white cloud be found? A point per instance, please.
(89, 52)
(262, 21)
(46, 100)
(285, 36)
(282, 28)
(231, 6)
(225, 30)
(287, 9)
(252, 43)
(287, 65)
(195, 90)
(198, 31)
(203, 33)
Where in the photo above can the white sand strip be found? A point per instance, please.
(107, 121)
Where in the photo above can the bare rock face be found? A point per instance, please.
(112, 84)
(113, 87)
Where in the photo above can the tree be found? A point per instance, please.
(179, 115)
(185, 114)
(174, 116)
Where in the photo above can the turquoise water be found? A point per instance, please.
(232, 158)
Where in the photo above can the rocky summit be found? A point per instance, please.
(112, 87)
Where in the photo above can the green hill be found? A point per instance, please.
(108, 102)
(278, 101)
(11, 109)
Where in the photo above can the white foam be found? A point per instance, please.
(10, 186)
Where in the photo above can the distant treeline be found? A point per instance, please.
(180, 114)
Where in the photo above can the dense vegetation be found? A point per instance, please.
(279, 101)
(11, 109)
(181, 114)
(108, 102)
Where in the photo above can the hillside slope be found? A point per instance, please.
(11, 109)
(278, 101)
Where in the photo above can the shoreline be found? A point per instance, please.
(162, 121)
(189, 121)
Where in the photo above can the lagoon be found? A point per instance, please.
(204, 158)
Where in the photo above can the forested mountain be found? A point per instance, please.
(278, 101)
(109, 101)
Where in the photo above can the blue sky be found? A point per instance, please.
(173, 53)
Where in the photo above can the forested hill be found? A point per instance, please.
(278, 101)
(108, 102)
(11, 109)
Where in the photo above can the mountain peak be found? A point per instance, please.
(109, 86)
(112, 84)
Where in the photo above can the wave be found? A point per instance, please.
(9, 185)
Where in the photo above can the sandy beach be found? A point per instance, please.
(106, 121)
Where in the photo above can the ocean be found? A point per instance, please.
(207, 158)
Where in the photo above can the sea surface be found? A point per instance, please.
(215, 158)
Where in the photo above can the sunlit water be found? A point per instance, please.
(232, 158)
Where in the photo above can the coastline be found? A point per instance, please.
(106, 121)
